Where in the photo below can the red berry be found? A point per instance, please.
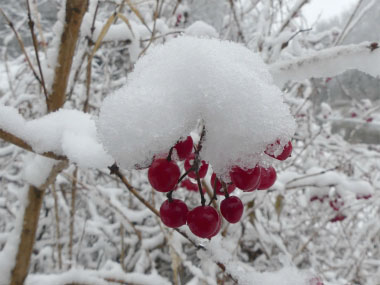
(338, 218)
(314, 198)
(245, 179)
(218, 186)
(316, 281)
(286, 152)
(267, 178)
(366, 197)
(163, 175)
(190, 186)
(173, 214)
(232, 209)
(202, 169)
(203, 221)
(217, 228)
(184, 148)
(336, 204)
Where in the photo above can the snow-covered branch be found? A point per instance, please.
(63, 134)
(329, 62)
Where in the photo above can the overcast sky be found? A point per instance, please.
(327, 8)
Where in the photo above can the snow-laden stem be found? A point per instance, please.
(11, 138)
(329, 62)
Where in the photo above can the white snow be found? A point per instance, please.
(52, 52)
(202, 30)
(9, 252)
(37, 169)
(66, 132)
(217, 250)
(187, 79)
(100, 277)
(328, 62)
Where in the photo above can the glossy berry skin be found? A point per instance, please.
(232, 209)
(163, 175)
(286, 152)
(173, 214)
(184, 148)
(191, 186)
(219, 225)
(245, 179)
(267, 178)
(203, 221)
(218, 186)
(186, 183)
(201, 171)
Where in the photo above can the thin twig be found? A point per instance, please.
(114, 169)
(21, 44)
(35, 45)
(72, 214)
(57, 227)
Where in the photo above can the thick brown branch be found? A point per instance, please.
(29, 226)
(75, 10)
(8, 137)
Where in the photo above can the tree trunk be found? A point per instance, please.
(75, 10)
(28, 233)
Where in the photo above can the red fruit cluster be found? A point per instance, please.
(204, 221)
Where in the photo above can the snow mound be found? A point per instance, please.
(202, 30)
(187, 79)
(70, 133)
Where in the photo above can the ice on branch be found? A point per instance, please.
(70, 133)
(223, 83)
(329, 62)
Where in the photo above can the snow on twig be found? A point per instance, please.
(329, 62)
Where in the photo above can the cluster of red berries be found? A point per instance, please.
(336, 204)
(204, 221)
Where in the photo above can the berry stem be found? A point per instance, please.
(203, 200)
(184, 175)
(225, 190)
(169, 195)
(169, 157)
(114, 169)
(214, 197)
(199, 146)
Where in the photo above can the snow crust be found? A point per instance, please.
(187, 79)
(66, 132)
(320, 181)
(112, 271)
(202, 30)
(37, 169)
(218, 251)
(328, 62)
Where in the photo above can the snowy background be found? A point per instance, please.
(146, 73)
